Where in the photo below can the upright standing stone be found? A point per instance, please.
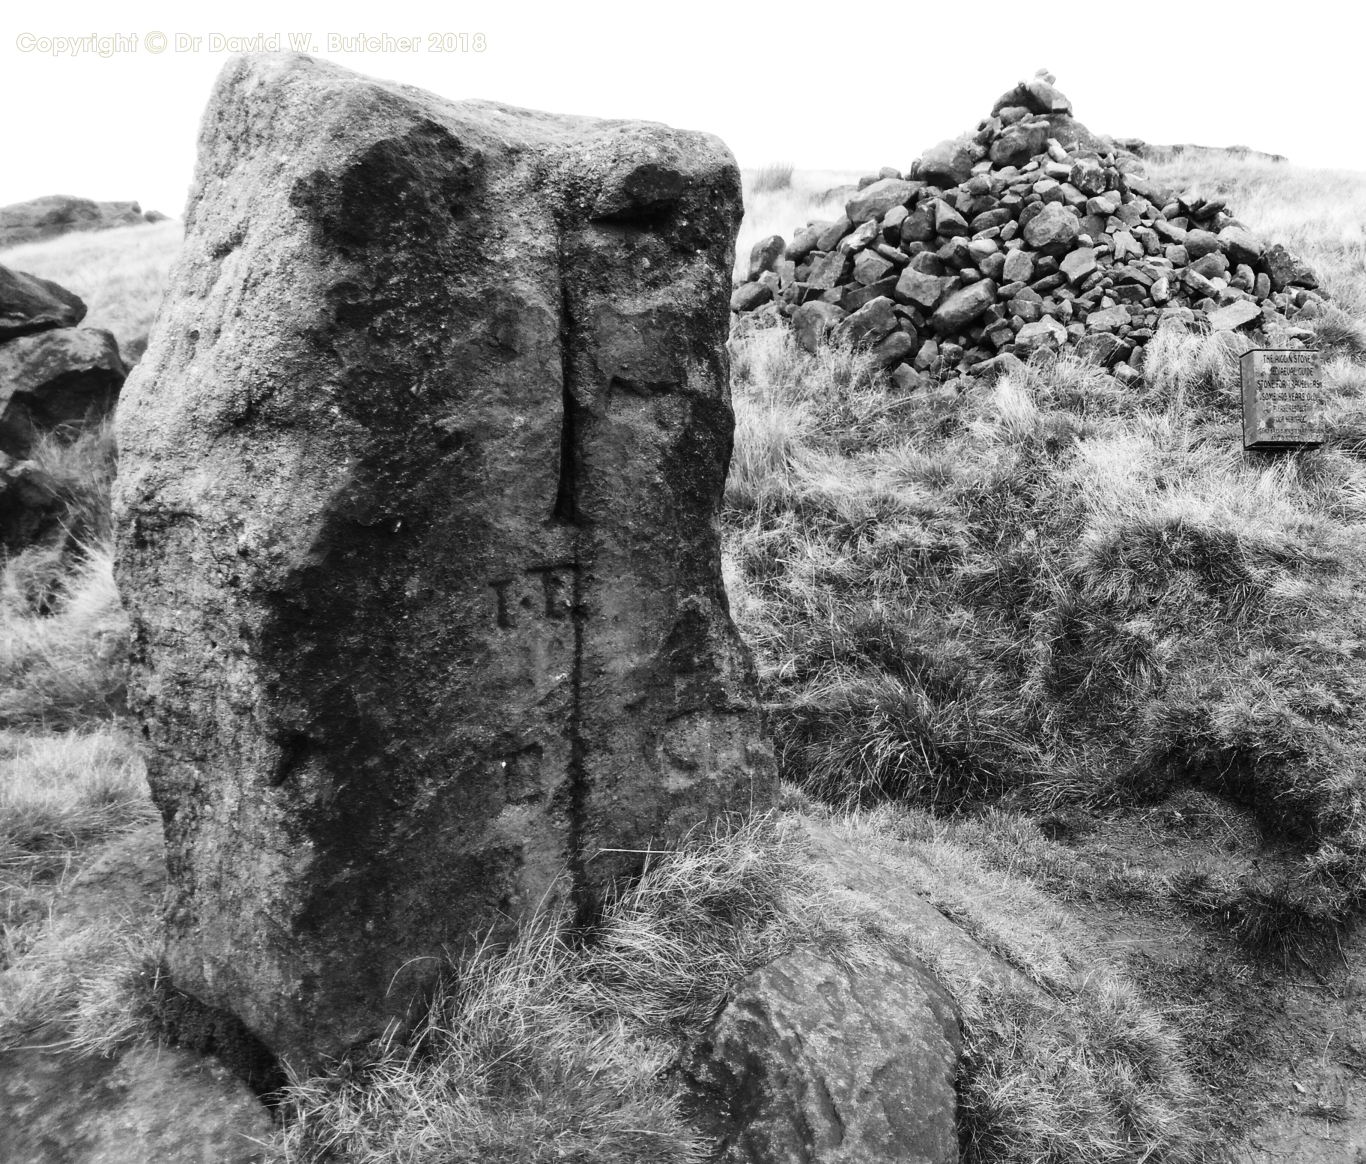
(417, 525)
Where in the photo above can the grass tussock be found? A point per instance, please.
(561, 1046)
(63, 630)
(558, 1047)
(1057, 588)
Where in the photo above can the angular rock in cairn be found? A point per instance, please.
(1030, 233)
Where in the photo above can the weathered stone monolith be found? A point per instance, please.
(417, 525)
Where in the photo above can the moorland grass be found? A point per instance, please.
(120, 274)
(1056, 588)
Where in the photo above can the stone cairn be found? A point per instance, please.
(1030, 233)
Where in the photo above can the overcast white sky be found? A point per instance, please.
(835, 85)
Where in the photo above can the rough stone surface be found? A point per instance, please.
(1234, 316)
(875, 200)
(812, 321)
(871, 322)
(811, 1063)
(29, 304)
(962, 307)
(1286, 269)
(1052, 231)
(67, 376)
(416, 513)
(764, 254)
(153, 1105)
(951, 160)
(57, 214)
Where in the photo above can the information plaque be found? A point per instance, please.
(1282, 398)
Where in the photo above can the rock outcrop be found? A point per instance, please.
(417, 527)
(57, 378)
(150, 1105)
(57, 214)
(29, 304)
(1029, 233)
(811, 1062)
(65, 377)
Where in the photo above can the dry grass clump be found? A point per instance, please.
(1062, 589)
(773, 176)
(120, 274)
(561, 1046)
(62, 795)
(558, 1046)
(63, 630)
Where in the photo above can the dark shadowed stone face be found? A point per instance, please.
(417, 520)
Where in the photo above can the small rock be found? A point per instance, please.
(66, 376)
(828, 270)
(1286, 269)
(1019, 267)
(925, 291)
(748, 296)
(961, 308)
(877, 199)
(830, 237)
(1241, 245)
(1200, 243)
(951, 161)
(948, 222)
(1234, 316)
(863, 235)
(868, 324)
(906, 378)
(764, 254)
(29, 304)
(812, 322)
(1079, 264)
(1052, 231)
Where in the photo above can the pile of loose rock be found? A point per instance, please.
(54, 377)
(1030, 233)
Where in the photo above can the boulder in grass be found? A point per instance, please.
(29, 304)
(812, 1062)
